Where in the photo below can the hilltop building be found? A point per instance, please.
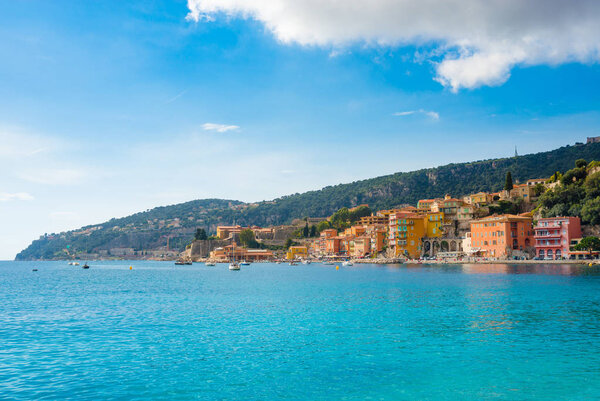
(594, 139)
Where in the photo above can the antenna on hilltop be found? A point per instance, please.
(516, 154)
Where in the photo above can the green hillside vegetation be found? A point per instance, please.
(143, 231)
(578, 195)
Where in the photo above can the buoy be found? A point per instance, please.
(590, 265)
(130, 267)
(337, 268)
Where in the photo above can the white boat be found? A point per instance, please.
(244, 263)
(328, 263)
(233, 265)
(306, 262)
(210, 264)
(347, 263)
(293, 263)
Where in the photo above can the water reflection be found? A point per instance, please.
(552, 269)
(547, 269)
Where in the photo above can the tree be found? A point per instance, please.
(588, 244)
(555, 177)
(323, 225)
(592, 185)
(288, 243)
(200, 234)
(305, 231)
(580, 163)
(590, 212)
(313, 231)
(508, 184)
(575, 175)
(539, 189)
(247, 238)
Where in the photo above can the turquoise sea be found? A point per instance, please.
(271, 332)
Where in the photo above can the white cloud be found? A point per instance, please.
(54, 176)
(431, 114)
(219, 127)
(478, 41)
(17, 144)
(18, 196)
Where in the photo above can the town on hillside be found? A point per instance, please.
(555, 218)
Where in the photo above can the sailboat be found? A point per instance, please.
(233, 265)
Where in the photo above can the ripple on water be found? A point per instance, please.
(303, 333)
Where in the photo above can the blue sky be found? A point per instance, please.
(108, 108)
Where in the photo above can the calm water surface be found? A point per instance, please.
(270, 332)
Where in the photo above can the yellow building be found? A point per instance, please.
(480, 198)
(223, 232)
(434, 222)
(406, 231)
(426, 204)
(296, 252)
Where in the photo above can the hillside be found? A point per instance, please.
(150, 229)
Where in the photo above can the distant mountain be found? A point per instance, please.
(150, 229)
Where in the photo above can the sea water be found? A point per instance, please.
(307, 332)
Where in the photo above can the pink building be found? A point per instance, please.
(553, 236)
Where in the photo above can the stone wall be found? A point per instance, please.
(282, 233)
(201, 249)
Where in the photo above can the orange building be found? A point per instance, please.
(426, 204)
(406, 230)
(223, 232)
(332, 245)
(250, 255)
(500, 235)
(360, 247)
(371, 220)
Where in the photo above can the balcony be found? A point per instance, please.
(547, 235)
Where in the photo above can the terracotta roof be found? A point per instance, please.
(502, 217)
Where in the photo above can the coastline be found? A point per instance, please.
(379, 261)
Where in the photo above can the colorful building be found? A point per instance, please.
(360, 247)
(478, 199)
(426, 204)
(434, 222)
(332, 246)
(524, 191)
(406, 230)
(449, 206)
(535, 181)
(297, 252)
(372, 220)
(231, 251)
(224, 232)
(500, 236)
(553, 236)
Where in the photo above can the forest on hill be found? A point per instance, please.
(149, 229)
